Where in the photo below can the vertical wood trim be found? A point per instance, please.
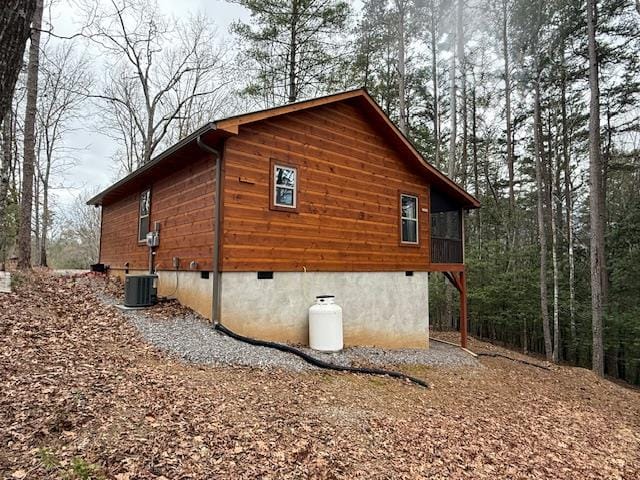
(463, 309)
(219, 203)
(462, 235)
(428, 215)
(100, 241)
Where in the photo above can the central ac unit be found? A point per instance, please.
(140, 290)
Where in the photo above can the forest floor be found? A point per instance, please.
(83, 396)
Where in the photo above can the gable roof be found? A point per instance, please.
(218, 130)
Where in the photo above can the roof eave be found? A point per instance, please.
(97, 199)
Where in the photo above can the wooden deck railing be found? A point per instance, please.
(446, 250)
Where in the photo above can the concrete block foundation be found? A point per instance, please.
(385, 309)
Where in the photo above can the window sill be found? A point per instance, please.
(278, 208)
(409, 244)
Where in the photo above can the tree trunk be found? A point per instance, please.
(554, 254)
(454, 108)
(507, 98)
(5, 176)
(539, 153)
(45, 178)
(293, 47)
(36, 216)
(597, 254)
(45, 221)
(434, 79)
(463, 88)
(474, 157)
(15, 22)
(606, 159)
(402, 121)
(452, 149)
(568, 209)
(26, 206)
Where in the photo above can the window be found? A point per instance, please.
(284, 186)
(409, 219)
(143, 215)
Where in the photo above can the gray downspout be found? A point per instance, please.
(215, 304)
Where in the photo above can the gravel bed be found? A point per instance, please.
(437, 355)
(189, 338)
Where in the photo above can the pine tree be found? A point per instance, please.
(290, 47)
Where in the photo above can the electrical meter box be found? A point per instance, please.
(153, 239)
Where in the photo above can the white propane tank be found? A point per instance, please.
(325, 325)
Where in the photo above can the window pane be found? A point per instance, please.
(284, 196)
(144, 228)
(145, 202)
(409, 206)
(409, 231)
(285, 177)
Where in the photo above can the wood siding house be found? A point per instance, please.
(259, 213)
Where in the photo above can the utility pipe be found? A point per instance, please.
(215, 300)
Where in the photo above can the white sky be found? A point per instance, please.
(93, 150)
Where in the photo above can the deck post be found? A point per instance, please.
(463, 309)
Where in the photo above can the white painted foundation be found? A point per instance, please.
(386, 309)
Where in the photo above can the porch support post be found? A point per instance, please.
(463, 309)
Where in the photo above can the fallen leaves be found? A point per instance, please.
(83, 395)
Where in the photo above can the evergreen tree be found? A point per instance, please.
(290, 47)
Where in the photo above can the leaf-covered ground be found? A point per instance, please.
(82, 396)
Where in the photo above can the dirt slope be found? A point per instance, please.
(81, 396)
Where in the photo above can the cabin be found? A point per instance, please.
(258, 213)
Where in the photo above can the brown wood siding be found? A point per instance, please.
(183, 203)
(349, 183)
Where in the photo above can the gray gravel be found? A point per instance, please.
(189, 338)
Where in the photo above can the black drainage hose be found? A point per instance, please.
(317, 362)
(500, 355)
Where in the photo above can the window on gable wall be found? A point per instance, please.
(284, 186)
(143, 215)
(409, 219)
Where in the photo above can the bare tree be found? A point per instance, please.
(26, 205)
(5, 172)
(15, 22)
(75, 239)
(157, 67)
(63, 75)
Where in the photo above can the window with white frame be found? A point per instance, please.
(409, 219)
(284, 186)
(143, 215)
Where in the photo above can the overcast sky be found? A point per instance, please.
(94, 151)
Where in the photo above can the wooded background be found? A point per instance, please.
(531, 105)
